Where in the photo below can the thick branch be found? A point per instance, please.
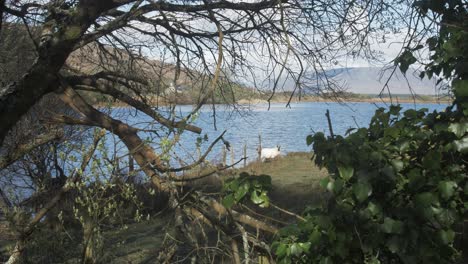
(107, 89)
(25, 148)
(143, 154)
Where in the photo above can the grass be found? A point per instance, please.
(295, 180)
(138, 243)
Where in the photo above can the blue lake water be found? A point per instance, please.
(287, 127)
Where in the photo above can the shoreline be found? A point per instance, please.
(394, 100)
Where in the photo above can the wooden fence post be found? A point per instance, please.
(259, 149)
(245, 154)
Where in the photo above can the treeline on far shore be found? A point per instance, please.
(242, 95)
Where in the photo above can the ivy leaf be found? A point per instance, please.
(392, 132)
(425, 199)
(395, 110)
(305, 246)
(362, 190)
(405, 60)
(241, 191)
(393, 244)
(324, 182)
(281, 250)
(446, 236)
(391, 226)
(447, 189)
(411, 114)
(314, 237)
(461, 145)
(335, 186)
(256, 198)
(228, 201)
(326, 260)
(460, 88)
(346, 172)
(398, 165)
(374, 209)
(459, 129)
(265, 199)
(296, 250)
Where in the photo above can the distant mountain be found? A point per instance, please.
(370, 80)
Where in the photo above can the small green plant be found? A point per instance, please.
(247, 187)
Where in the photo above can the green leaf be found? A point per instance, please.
(411, 114)
(392, 132)
(459, 129)
(309, 140)
(446, 236)
(398, 165)
(374, 209)
(362, 190)
(266, 200)
(393, 244)
(346, 172)
(281, 250)
(447, 189)
(460, 88)
(326, 260)
(305, 246)
(461, 145)
(405, 60)
(335, 186)
(256, 199)
(324, 182)
(314, 237)
(425, 199)
(395, 110)
(296, 250)
(391, 226)
(228, 201)
(241, 191)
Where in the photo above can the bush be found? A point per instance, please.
(399, 193)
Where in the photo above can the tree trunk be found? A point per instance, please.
(17, 254)
(89, 245)
(54, 49)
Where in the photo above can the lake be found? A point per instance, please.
(286, 127)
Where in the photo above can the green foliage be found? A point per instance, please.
(398, 192)
(448, 47)
(247, 187)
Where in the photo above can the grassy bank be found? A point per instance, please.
(295, 180)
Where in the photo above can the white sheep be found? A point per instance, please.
(270, 153)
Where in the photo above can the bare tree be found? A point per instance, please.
(132, 51)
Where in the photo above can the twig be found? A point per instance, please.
(288, 212)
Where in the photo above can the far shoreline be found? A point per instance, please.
(394, 100)
(307, 99)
